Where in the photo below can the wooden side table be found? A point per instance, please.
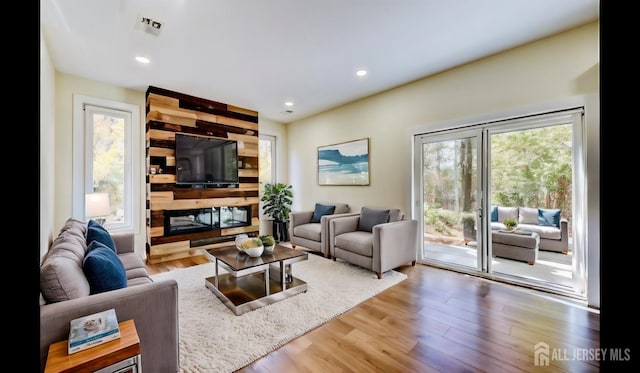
(117, 356)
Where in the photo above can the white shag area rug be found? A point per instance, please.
(214, 339)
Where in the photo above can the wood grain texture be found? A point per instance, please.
(242, 110)
(162, 99)
(169, 113)
(440, 321)
(94, 358)
(173, 119)
(189, 204)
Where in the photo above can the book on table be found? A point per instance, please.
(93, 330)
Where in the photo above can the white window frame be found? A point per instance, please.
(82, 151)
(590, 150)
(273, 140)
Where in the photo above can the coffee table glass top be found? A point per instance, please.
(239, 261)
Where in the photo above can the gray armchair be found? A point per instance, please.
(377, 239)
(314, 234)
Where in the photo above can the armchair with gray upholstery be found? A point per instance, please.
(310, 228)
(377, 239)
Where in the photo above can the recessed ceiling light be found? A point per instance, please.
(142, 59)
(361, 72)
(288, 103)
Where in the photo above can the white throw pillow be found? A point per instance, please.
(528, 215)
(507, 212)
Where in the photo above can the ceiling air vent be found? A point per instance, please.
(151, 26)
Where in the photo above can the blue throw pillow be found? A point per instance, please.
(370, 217)
(494, 213)
(549, 217)
(103, 269)
(96, 232)
(320, 211)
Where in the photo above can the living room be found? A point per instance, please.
(560, 71)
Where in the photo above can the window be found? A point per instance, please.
(105, 138)
(267, 159)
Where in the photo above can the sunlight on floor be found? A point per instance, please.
(550, 267)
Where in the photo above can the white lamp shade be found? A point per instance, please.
(97, 205)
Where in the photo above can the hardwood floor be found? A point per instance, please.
(440, 321)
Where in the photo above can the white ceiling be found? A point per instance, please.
(257, 54)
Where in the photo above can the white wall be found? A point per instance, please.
(555, 68)
(47, 148)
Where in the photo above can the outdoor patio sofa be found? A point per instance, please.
(549, 224)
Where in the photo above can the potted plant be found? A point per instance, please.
(269, 243)
(277, 200)
(510, 223)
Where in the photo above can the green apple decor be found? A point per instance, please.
(269, 243)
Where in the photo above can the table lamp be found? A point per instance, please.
(97, 207)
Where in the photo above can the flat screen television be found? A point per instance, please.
(206, 161)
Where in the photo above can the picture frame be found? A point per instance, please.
(345, 163)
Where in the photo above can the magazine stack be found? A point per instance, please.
(93, 330)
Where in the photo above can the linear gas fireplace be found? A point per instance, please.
(189, 221)
(235, 216)
(206, 219)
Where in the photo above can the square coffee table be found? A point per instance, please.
(252, 283)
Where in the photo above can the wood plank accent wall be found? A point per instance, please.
(168, 113)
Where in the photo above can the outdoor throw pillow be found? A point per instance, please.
(494, 213)
(507, 212)
(103, 269)
(528, 215)
(549, 217)
(370, 217)
(320, 211)
(96, 232)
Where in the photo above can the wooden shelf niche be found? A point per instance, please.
(168, 113)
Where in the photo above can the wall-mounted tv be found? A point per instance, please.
(206, 161)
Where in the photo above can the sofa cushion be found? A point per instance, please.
(97, 232)
(549, 217)
(507, 212)
(528, 215)
(103, 268)
(370, 217)
(494, 213)
(61, 275)
(310, 231)
(358, 242)
(321, 210)
(545, 232)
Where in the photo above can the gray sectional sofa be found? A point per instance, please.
(549, 224)
(67, 291)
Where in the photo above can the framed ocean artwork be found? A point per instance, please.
(345, 163)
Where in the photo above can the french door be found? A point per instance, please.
(531, 163)
(451, 194)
